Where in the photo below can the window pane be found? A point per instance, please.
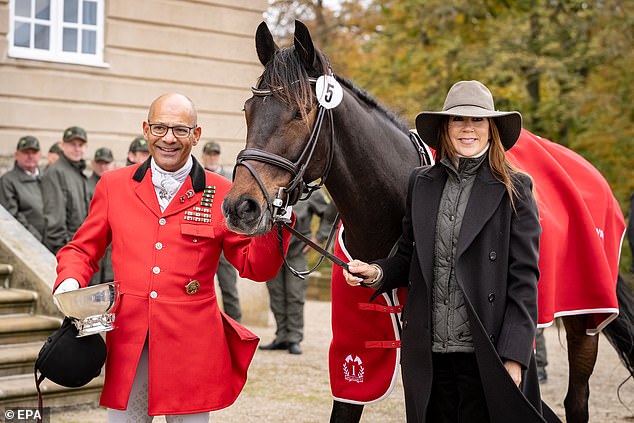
(70, 40)
(43, 9)
(23, 8)
(89, 13)
(89, 42)
(42, 36)
(70, 11)
(22, 34)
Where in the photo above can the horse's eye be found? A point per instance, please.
(298, 115)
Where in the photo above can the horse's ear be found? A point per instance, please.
(264, 44)
(304, 45)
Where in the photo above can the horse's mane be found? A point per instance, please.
(287, 79)
(372, 102)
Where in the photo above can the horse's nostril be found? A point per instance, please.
(247, 209)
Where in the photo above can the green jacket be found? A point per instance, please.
(21, 195)
(105, 272)
(66, 200)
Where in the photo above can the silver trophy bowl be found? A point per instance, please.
(91, 309)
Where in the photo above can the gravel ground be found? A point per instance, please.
(287, 388)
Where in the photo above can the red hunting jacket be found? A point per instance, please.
(198, 357)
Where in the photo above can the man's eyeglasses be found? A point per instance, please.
(160, 130)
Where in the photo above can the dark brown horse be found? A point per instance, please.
(364, 155)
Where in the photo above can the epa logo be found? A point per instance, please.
(23, 414)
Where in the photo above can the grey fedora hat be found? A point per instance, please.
(473, 99)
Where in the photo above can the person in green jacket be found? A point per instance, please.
(20, 188)
(138, 151)
(102, 162)
(65, 190)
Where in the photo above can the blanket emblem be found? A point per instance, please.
(353, 370)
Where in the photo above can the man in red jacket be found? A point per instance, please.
(173, 352)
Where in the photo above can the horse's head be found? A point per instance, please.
(280, 116)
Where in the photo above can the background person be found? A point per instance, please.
(173, 352)
(65, 190)
(468, 254)
(102, 162)
(287, 292)
(53, 154)
(541, 356)
(20, 188)
(226, 273)
(138, 151)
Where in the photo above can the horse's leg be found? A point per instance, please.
(342, 412)
(620, 332)
(582, 355)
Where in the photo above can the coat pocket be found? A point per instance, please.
(198, 230)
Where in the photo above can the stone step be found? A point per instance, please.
(19, 391)
(16, 359)
(6, 270)
(18, 328)
(17, 301)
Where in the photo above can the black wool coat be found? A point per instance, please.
(496, 267)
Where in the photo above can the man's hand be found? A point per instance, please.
(69, 284)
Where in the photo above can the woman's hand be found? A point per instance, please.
(515, 371)
(368, 271)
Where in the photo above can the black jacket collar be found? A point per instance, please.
(197, 174)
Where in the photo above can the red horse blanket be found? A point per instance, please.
(365, 348)
(583, 229)
(580, 246)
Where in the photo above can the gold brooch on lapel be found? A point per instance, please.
(188, 194)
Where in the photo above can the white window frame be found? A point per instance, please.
(55, 52)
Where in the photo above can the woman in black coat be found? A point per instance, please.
(468, 255)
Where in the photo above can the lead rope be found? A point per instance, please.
(324, 252)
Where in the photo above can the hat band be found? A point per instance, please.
(485, 108)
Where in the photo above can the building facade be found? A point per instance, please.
(99, 63)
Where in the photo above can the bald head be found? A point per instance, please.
(174, 102)
(171, 130)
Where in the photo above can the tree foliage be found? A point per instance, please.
(565, 64)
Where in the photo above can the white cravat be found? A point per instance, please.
(167, 184)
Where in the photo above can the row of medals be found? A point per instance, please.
(200, 214)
